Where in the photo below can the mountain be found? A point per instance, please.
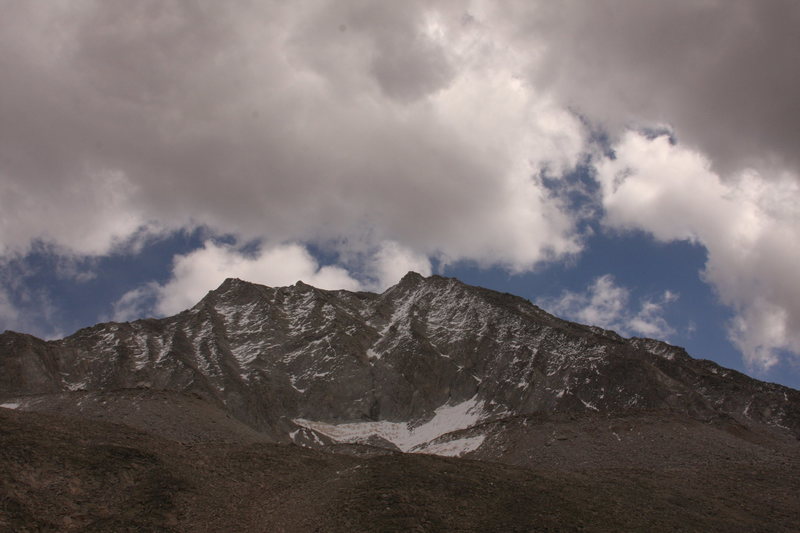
(431, 366)
(427, 360)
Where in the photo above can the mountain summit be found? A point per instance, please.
(430, 365)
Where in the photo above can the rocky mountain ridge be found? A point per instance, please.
(430, 365)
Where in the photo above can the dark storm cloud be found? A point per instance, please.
(404, 62)
(723, 73)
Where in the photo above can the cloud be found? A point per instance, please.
(750, 227)
(139, 302)
(720, 72)
(607, 305)
(391, 262)
(25, 309)
(400, 132)
(8, 312)
(325, 123)
(201, 270)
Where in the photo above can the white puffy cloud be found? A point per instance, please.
(136, 303)
(750, 227)
(391, 262)
(606, 304)
(323, 122)
(201, 270)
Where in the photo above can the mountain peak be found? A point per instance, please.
(302, 287)
(231, 283)
(230, 288)
(412, 277)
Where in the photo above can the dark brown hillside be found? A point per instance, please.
(66, 474)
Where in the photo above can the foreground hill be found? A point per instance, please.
(69, 474)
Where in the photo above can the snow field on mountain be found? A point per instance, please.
(447, 418)
(452, 448)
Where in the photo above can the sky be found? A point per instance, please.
(629, 164)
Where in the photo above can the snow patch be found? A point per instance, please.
(453, 448)
(10, 405)
(294, 379)
(73, 387)
(446, 419)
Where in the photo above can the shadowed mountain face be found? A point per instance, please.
(430, 365)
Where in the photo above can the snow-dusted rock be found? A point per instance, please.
(419, 367)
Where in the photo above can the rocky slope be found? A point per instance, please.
(430, 365)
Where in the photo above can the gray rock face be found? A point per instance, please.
(413, 368)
